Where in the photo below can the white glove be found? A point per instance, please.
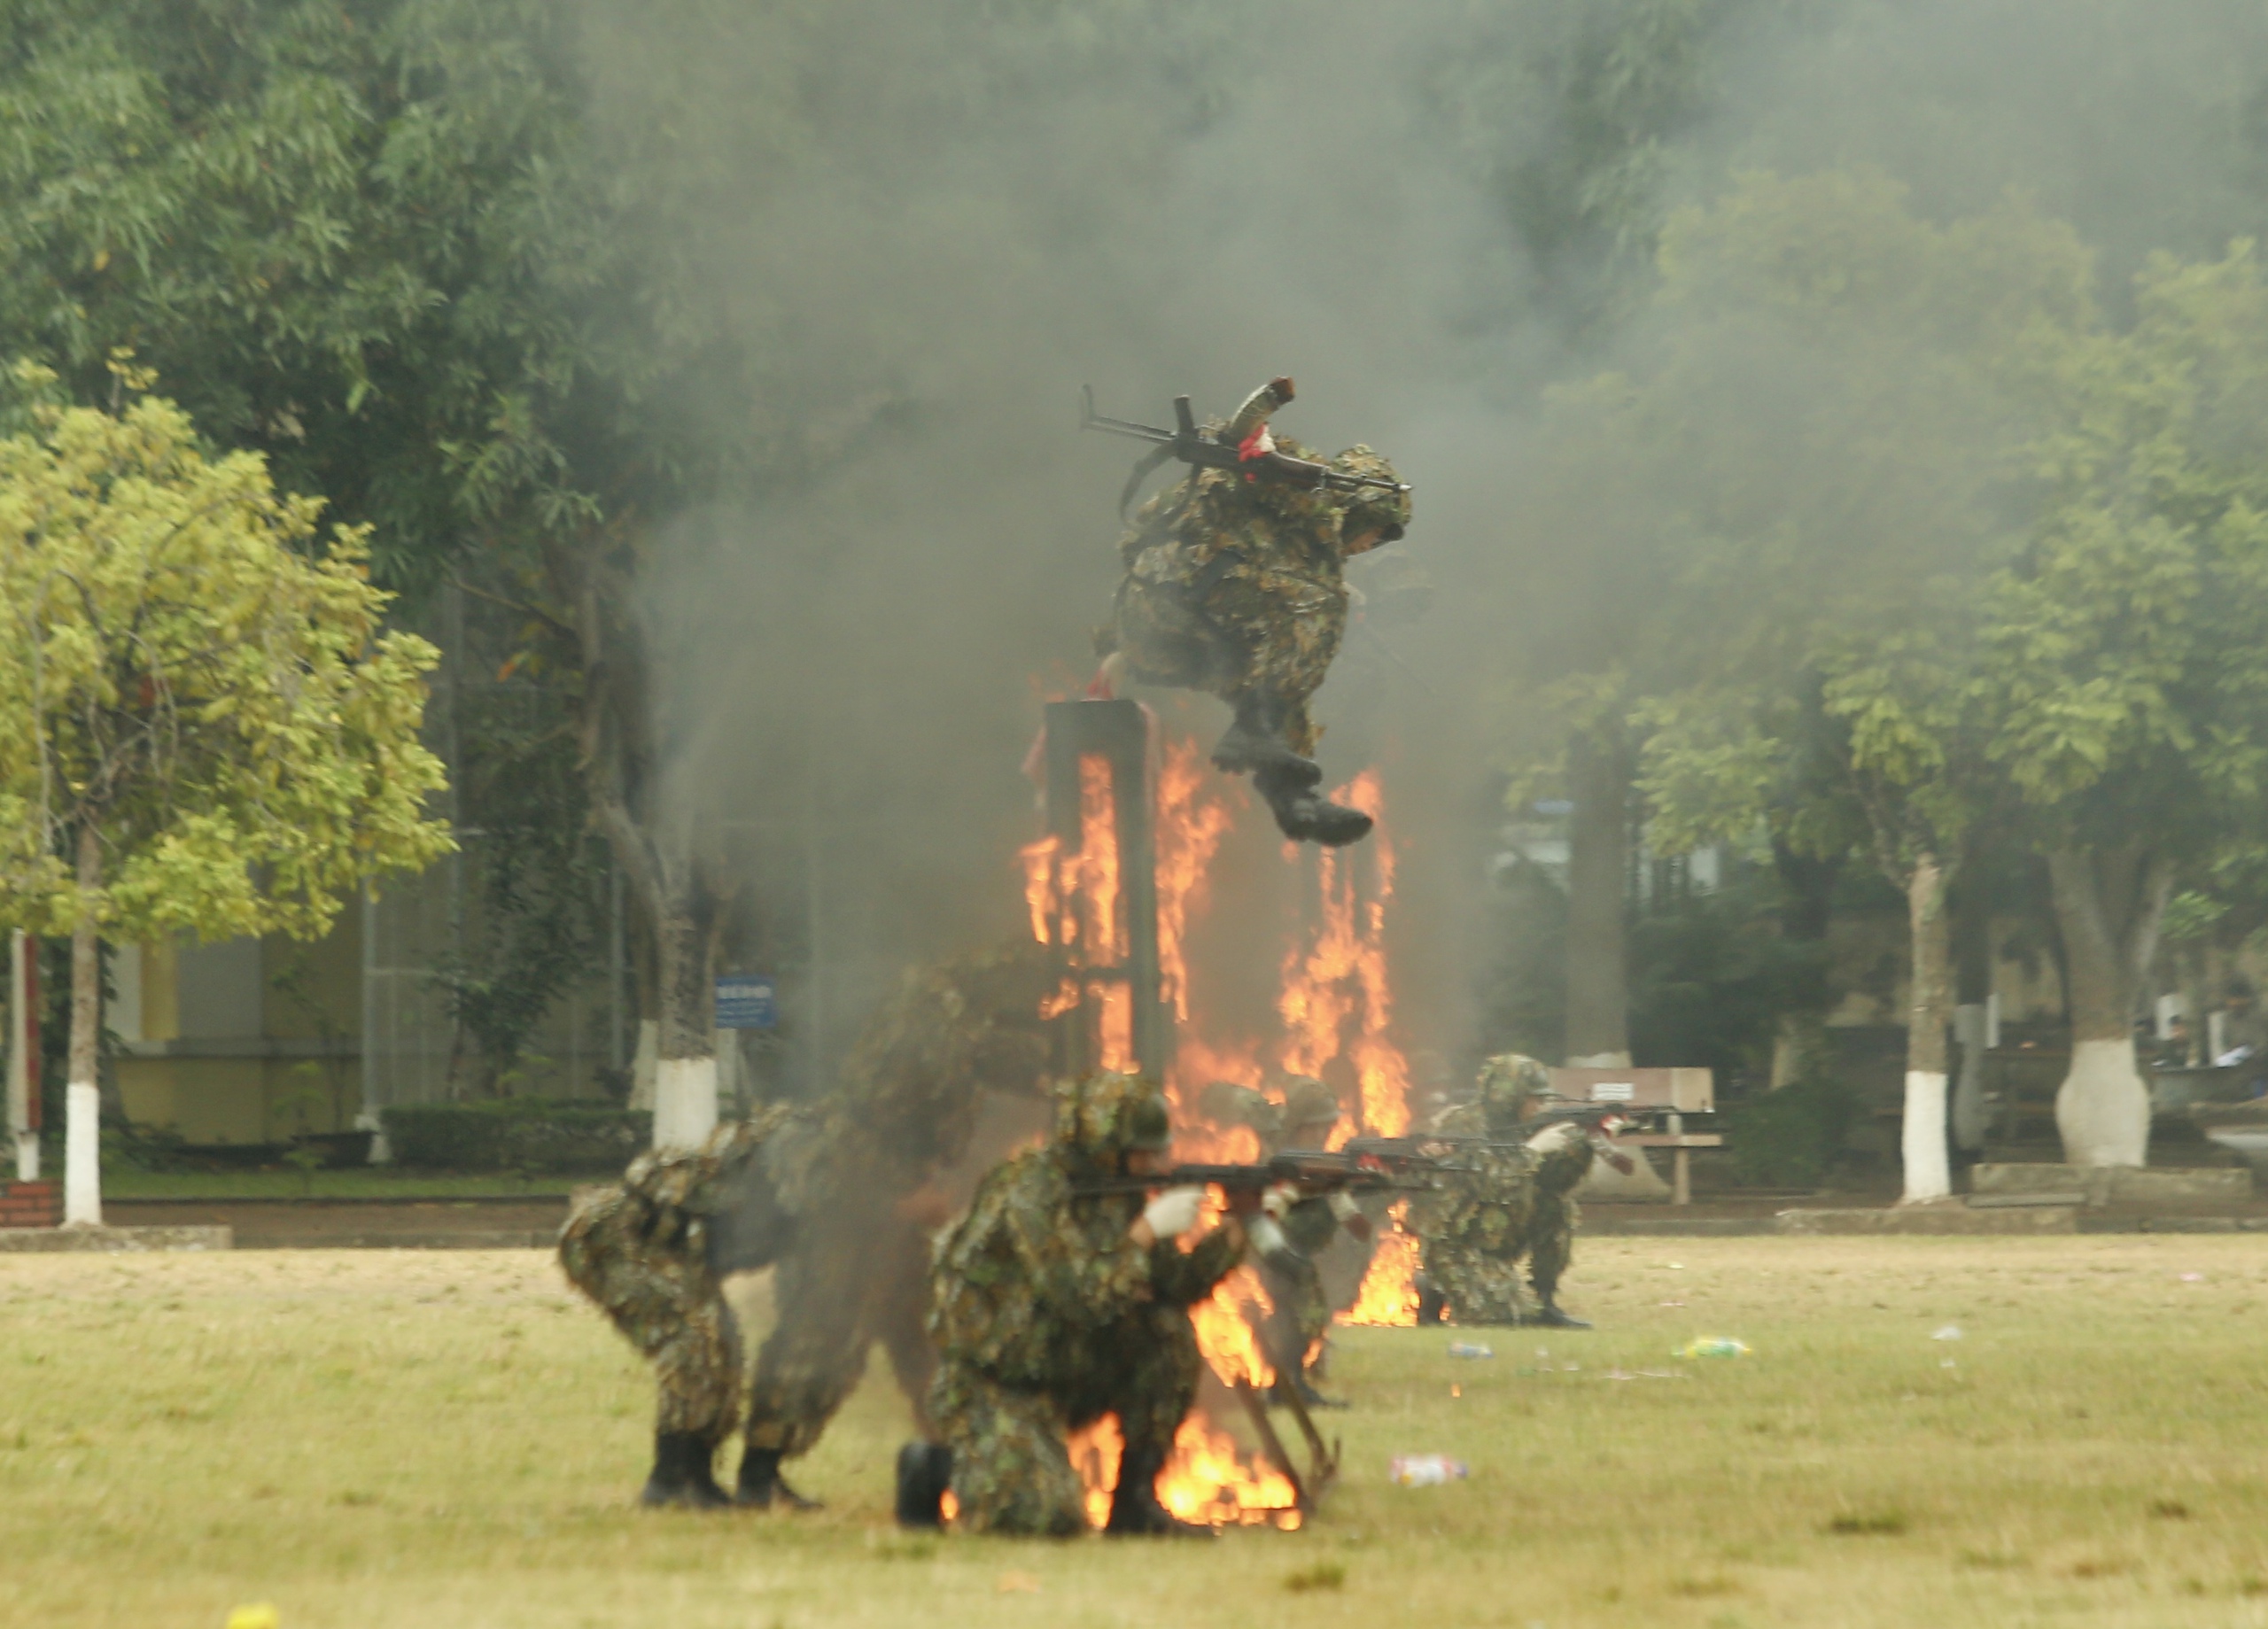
(1267, 1238)
(1280, 1199)
(1551, 1139)
(1343, 1206)
(1174, 1212)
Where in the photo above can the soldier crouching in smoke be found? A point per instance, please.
(1235, 585)
(859, 1174)
(833, 1194)
(1052, 1309)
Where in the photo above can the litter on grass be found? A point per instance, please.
(1470, 1349)
(1427, 1469)
(1713, 1346)
(1951, 1331)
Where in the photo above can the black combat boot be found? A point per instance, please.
(683, 1474)
(1135, 1512)
(925, 1472)
(1548, 1316)
(1253, 742)
(1303, 817)
(762, 1487)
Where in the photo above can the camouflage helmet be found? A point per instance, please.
(1509, 1082)
(1309, 1102)
(1367, 508)
(1105, 1114)
(1226, 1104)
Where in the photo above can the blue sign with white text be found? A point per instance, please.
(746, 1001)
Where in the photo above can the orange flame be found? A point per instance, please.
(1074, 904)
(1225, 1321)
(1190, 826)
(1096, 1452)
(1098, 862)
(1389, 1292)
(1335, 1002)
(1210, 1479)
(1340, 974)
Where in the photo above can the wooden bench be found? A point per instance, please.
(1676, 1093)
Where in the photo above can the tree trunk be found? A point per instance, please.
(1931, 930)
(82, 1171)
(23, 1056)
(675, 888)
(1598, 853)
(1800, 1048)
(684, 1071)
(2108, 904)
(1972, 936)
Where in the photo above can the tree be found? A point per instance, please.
(1826, 425)
(2125, 679)
(201, 726)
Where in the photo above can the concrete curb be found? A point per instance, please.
(1932, 1219)
(1676, 1227)
(51, 1241)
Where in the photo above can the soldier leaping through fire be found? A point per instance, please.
(1235, 586)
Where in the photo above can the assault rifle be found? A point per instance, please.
(1312, 1171)
(1435, 1150)
(1241, 444)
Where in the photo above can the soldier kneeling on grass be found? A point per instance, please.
(1051, 1308)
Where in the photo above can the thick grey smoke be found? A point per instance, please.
(929, 224)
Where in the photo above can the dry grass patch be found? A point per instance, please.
(451, 1439)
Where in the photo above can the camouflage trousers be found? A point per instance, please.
(1479, 1287)
(1551, 1239)
(1012, 1473)
(1302, 1315)
(838, 1294)
(1233, 627)
(668, 1308)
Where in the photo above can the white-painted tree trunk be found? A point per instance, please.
(83, 1155)
(1921, 1141)
(1922, 1144)
(83, 1118)
(21, 1076)
(684, 1101)
(2103, 1109)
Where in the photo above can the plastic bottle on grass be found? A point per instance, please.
(1427, 1469)
(1470, 1349)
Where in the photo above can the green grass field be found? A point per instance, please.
(449, 1439)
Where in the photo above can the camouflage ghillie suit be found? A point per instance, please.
(1236, 586)
(1047, 1316)
(1471, 1226)
(1509, 1202)
(857, 1270)
(640, 1249)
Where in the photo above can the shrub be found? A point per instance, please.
(1787, 1138)
(516, 1134)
